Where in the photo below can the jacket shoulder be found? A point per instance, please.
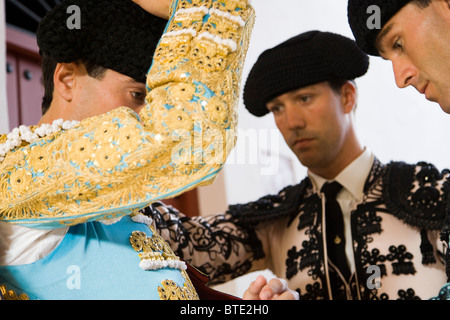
(416, 193)
(267, 208)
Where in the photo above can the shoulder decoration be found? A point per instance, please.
(119, 162)
(286, 203)
(416, 193)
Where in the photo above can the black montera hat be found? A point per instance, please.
(359, 12)
(303, 60)
(114, 34)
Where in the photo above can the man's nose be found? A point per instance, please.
(295, 118)
(404, 72)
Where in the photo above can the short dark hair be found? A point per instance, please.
(336, 84)
(48, 70)
(422, 3)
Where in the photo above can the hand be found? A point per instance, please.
(275, 289)
(159, 8)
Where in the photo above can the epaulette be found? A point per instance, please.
(414, 194)
(270, 207)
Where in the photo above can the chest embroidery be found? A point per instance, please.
(171, 291)
(403, 257)
(11, 294)
(156, 254)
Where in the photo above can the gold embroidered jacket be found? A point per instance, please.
(118, 162)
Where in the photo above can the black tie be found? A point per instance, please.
(335, 228)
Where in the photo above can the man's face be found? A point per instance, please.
(417, 41)
(94, 96)
(313, 123)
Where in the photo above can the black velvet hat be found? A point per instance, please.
(303, 60)
(114, 34)
(358, 16)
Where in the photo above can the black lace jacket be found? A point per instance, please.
(395, 232)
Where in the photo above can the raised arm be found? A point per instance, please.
(119, 162)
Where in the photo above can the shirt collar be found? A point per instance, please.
(353, 177)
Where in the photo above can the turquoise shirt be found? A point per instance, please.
(97, 261)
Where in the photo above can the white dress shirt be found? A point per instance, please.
(22, 245)
(352, 179)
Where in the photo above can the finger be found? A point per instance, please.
(278, 285)
(287, 295)
(252, 293)
(274, 287)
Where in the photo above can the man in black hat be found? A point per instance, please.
(354, 228)
(414, 35)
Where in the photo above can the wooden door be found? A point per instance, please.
(31, 91)
(11, 90)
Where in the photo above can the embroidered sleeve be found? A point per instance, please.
(231, 244)
(119, 162)
(215, 245)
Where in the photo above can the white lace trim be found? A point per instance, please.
(15, 138)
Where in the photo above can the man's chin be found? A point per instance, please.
(445, 107)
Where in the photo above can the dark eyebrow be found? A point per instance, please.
(130, 81)
(381, 37)
(273, 101)
(134, 84)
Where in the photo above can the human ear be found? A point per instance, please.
(348, 96)
(64, 79)
(443, 5)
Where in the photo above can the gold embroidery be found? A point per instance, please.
(121, 160)
(81, 151)
(155, 253)
(39, 158)
(11, 295)
(171, 291)
(107, 157)
(152, 248)
(20, 180)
